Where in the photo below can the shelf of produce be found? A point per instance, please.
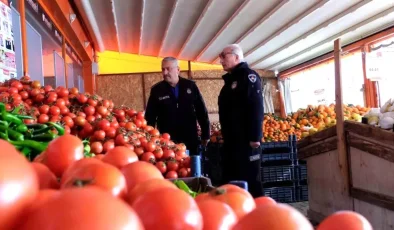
(370, 154)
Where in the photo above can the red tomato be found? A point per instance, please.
(89, 110)
(172, 165)
(105, 103)
(54, 110)
(85, 208)
(168, 153)
(75, 166)
(139, 151)
(24, 95)
(186, 162)
(62, 152)
(62, 92)
(264, 200)
(138, 172)
(159, 204)
(217, 215)
(67, 129)
(348, 220)
(68, 121)
(131, 112)
(17, 85)
(99, 135)
(74, 91)
(158, 152)
(138, 123)
(161, 166)
(90, 118)
(96, 147)
(72, 115)
(148, 186)
(102, 175)
(108, 145)
(12, 90)
(171, 175)
(182, 172)
(43, 118)
(102, 110)
(18, 185)
(148, 157)
(120, 156)
(64, 110)
(121, 139)
(274, 217)
(110, 133)
(166, 136)
(154, 133)
(39, 98)
(130, 126)
(44, 109)
(150, 147)
(140, 115)
(238, 199)
(104, 124)
(82, 98)
(46, 178)
(80, 121)
(60, 102)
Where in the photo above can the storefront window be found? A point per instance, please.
(316, 85)
(384, 53)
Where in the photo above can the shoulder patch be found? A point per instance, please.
(252, 78)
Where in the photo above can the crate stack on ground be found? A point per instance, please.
(212, 163)
(280, 170)
(303, 182)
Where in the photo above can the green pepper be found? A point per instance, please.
(36, 126)
(16, 110)
(41, 131)
(22, 128)
(22, 117)
(183, 186)
(2, 108)
(59, 128)
(14, 135)
(26, 152)
(33, 145)
(10, 118)
(44, 137)
(3, 136)
(4, 123)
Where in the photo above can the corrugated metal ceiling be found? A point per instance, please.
(274, 34)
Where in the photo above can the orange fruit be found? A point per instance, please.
(345, 220)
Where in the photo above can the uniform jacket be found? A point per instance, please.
(178, 117)
(241, 106)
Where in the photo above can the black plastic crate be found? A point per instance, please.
(303, 193)
(303, 173)
(291, 143)
(278, 173)
(278, 156)
(281, 194)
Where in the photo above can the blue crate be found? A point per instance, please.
(278, 156)
(291, 143)
(303, 172)
(278, 173)
(303, 193)
(281, 194)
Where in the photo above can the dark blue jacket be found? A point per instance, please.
(241, 109)
(178, 117)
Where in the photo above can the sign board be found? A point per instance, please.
(7, 48)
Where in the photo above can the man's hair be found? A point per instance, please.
(237, 50)
(170, 59)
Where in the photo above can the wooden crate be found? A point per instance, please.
(370, 154)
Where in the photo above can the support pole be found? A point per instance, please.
(342, 150)
(25, 61)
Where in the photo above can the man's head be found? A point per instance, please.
(170, 70)
(231, 56)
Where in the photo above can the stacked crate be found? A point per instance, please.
(280, 171)
(303, 183)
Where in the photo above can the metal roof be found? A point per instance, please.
(274, 34)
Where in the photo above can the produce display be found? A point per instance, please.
(62, 190)
(382, 117)
(97, 121)
(302, 123)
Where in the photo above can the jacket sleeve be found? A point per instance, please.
(255, 107)
(202, 114)
(151, 109)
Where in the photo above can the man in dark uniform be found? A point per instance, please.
(241, 116)
(175, 105)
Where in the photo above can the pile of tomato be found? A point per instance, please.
(97, 120)
(62, 190)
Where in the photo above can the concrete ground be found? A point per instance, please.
(303, 208)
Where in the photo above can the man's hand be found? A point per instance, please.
(254, 145)
(204, 143)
